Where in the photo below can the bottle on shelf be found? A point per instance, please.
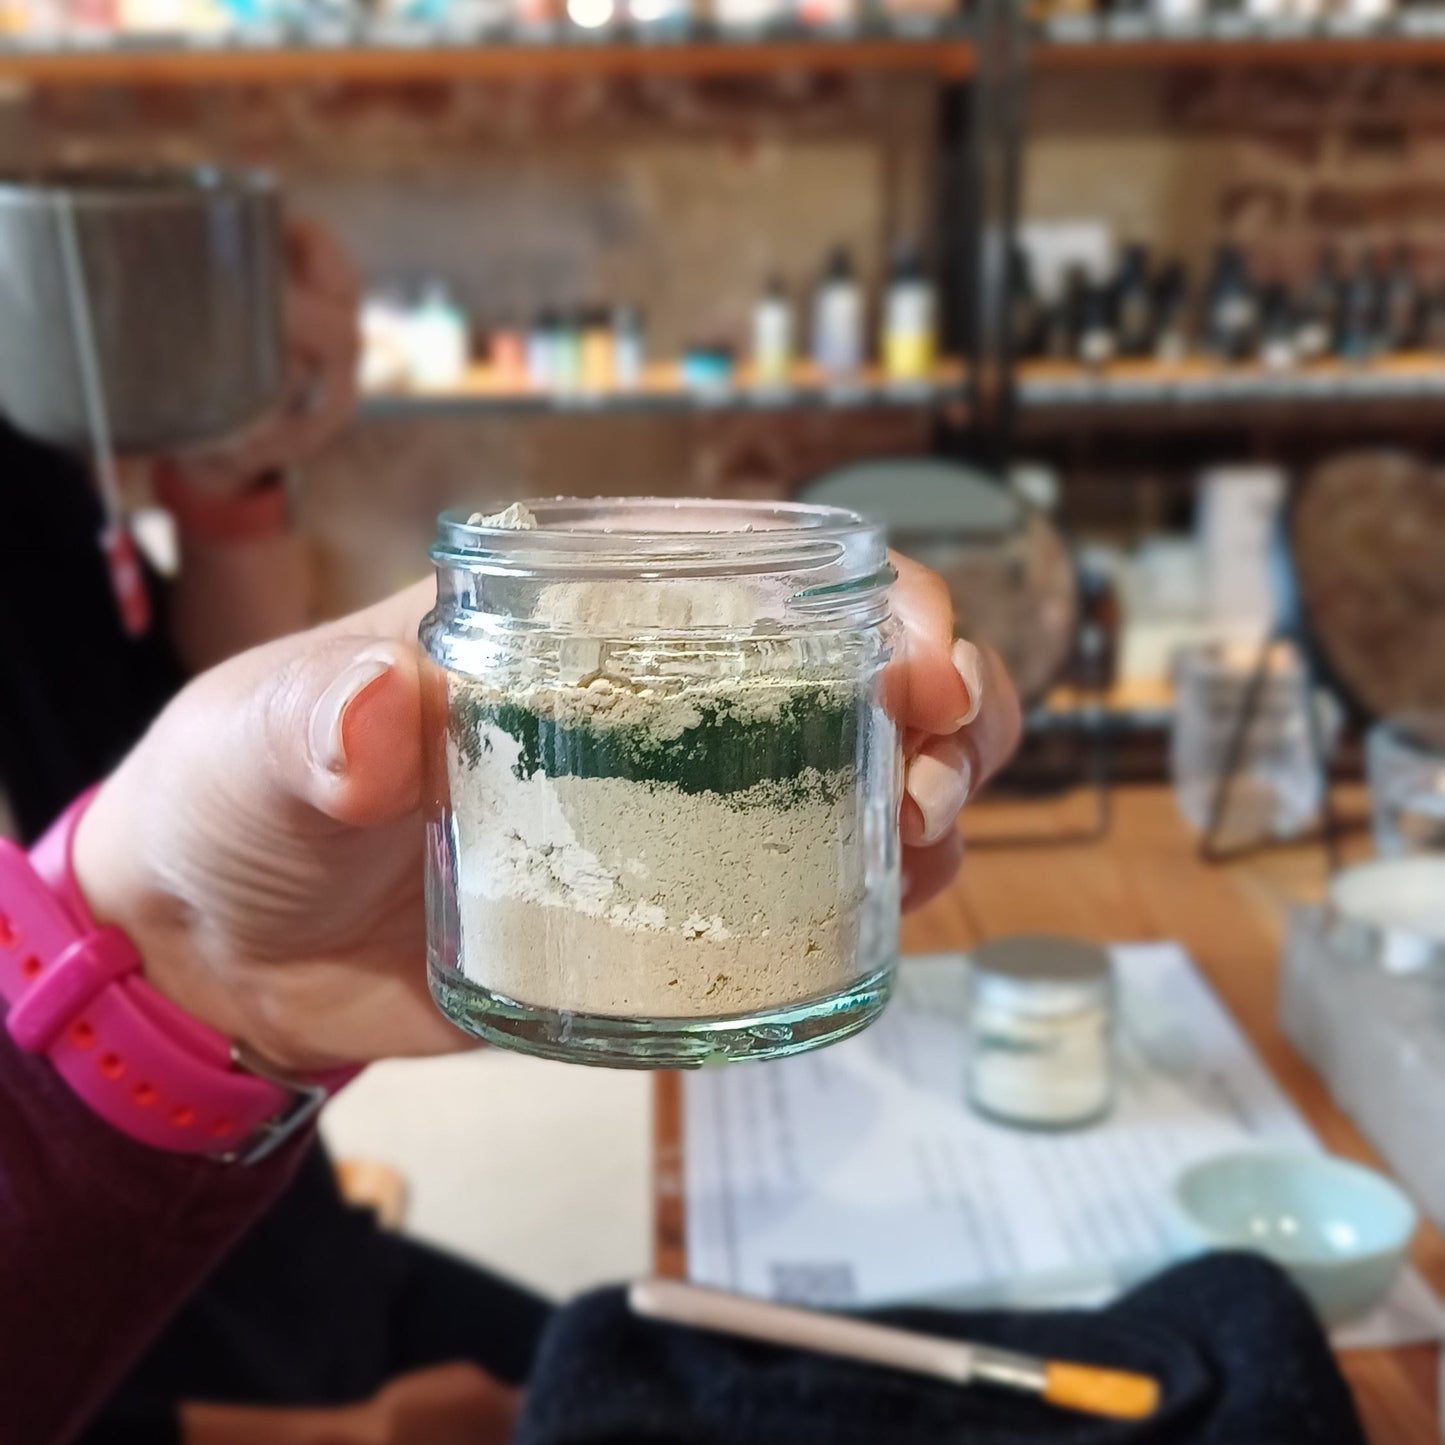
(1171, 314)
(660, 17)
(773, 335)
(438, 340)
(1231, 308)
(507, 353)
(829, 14)
(1098, 335)
(593, 15)
(745, 17)
(1278, 328)
(910, 320)
(596, 370)
(567, 353)
(1402, 307)
(1317, 322)
(1179, 14)
(1128, 14)
(542, 346)
(1432, 317)
(1362, 327)
(1268, 12)
(385, 364)
(536, 17)
(1366, 12)
(838, 319)
(923, 16)
(707, 366)
(1133, 304)
(1066, 316)
(1026, 320)
(628, 347)
(1094, 666)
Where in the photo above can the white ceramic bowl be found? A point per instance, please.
(1339, 1229)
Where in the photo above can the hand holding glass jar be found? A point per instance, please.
(263, 845)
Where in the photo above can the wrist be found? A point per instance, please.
(77, 997)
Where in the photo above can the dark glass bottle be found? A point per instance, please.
(1277, 328)
(1362, 329)
(1432, 320)
(1098, 333)
(1066, 316)
(1231, 308)
(1171, 313)
(1026, 320)
(1317, 323)
(1401, 328)
(1095, 663)
(1134, 304)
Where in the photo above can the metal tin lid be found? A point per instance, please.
(1042, 975)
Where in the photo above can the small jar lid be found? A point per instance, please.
(1041, 975)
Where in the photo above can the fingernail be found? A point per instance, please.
(968, 664)
(940, 788)
(328, 717)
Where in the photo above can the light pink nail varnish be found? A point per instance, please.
(968, 664)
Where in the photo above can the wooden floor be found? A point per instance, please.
(1144, 881)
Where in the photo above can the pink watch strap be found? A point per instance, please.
(77, 996)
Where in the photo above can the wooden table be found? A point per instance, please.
(1144, 882)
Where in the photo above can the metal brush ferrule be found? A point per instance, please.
(1014, 1372)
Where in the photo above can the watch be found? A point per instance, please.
(76, 995)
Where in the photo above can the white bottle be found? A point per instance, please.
(838, 319)
(1179, 14)
(773, 337)
(910, 321)
(437, 341)
(385, 363)
(627, 347)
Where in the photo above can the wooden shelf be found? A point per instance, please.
(401, 53)
(1284, 50)
(1192, 392)
(394, 57)
(662, 389)
(1201, 385)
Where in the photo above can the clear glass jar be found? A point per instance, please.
(1279, 782)
(664, 788)
(1041, 1031)
(1405, 765)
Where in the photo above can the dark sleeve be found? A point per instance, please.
(75, 691)
(101, 1240)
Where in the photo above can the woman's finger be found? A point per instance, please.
(928, 871)
(994, 733)
(936, 684)
(942, 773)
(937, 781)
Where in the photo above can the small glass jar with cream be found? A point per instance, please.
(1041, 1026)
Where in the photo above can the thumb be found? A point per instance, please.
(339, 720)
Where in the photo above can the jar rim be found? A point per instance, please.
(673, 537)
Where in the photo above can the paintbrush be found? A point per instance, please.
(1118, 1394)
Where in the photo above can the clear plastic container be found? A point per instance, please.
(1279, 782)
(664, 786)
(1405, 765)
